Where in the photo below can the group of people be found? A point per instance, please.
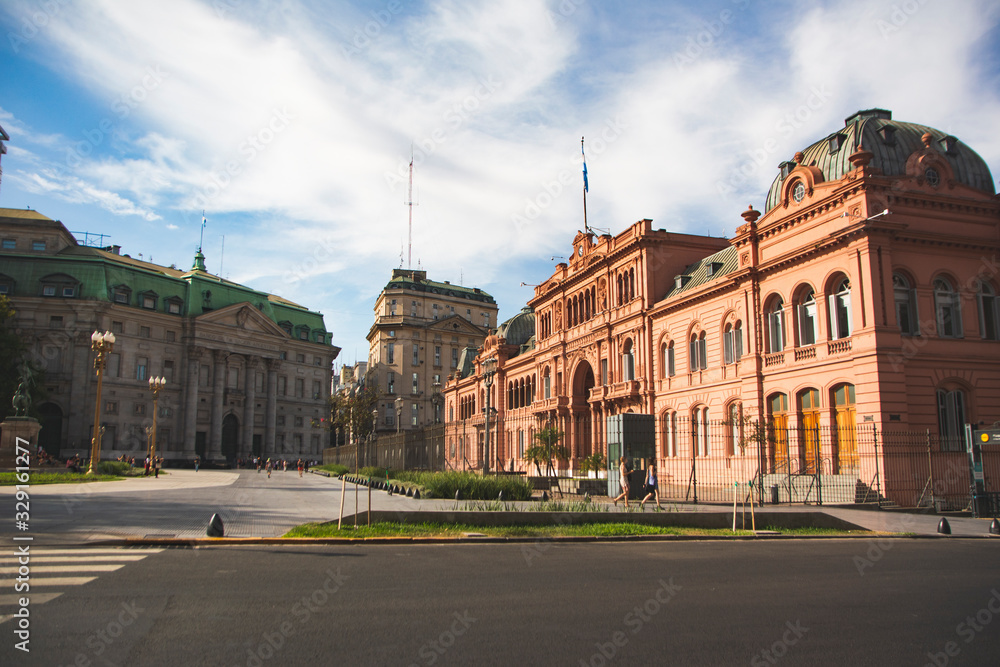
(650, 487)
(260, 463)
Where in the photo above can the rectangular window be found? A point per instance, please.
(297, 443)
(437, 355)
(117, 327)
(807, 323)
(604, 372)
(149, 302)
(671, 362)
(204, 376)
(173, 307)
(10, 244)
(144, 332)
(48, 290)
(55, 321)
(317, 361)
(413, 414)
(300, 388)
(413, 309)
(416, 383)
(139, 409)
(170, 336)
(258, 382)
(38, 246)
(121, 296)
(703, 351)
(390, 416)
(168, 370)
(317, 391)
(300, 358)
(548, 386)
(282, 385)
(416, 354)
(392, 307)
(392, 382)
(776, 330)
(435, 309)
(298, 421)
(391, 353)
(111, 408)
(454, 357)
(68, 292)
(141, 364)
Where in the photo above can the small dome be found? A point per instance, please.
(891, 144)
(518, 329)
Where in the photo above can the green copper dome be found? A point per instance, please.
(891, 143)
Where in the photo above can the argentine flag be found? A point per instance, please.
(586, 185)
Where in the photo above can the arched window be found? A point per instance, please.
(805, 311)
(846, 452)
(947, 309)
(776, 326)
(735, 423)
(840, 310)
(951, 418)
(989, 313)
(667, 359)
(777, 408)
(732, 340)
(906, 305)
(809, 429)
(628, 362)
(698, 352)
(547, 383)
(669, 420)
(699, 423)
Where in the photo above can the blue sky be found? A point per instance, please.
(291, 123)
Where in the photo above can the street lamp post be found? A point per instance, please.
(374, 425)
(101, 344)
(155, 385)
(489, 370)
(399, 412)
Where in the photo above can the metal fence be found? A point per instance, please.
(716, 461)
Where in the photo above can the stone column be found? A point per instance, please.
(214, 452)
(270, 418)
(249, 396)
(191, 401)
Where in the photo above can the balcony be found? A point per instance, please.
(842, 346)
(774, 359)
(627, 389)
(805, 353)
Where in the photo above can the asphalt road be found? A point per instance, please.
(798, 602)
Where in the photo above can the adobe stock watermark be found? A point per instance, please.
(124, 105)
(254, 144)
(967, 630)
(364, 35)
(899, 16)
(432, 651)
(457, 115)
(633, 623)
(34, 22)
(703, 40)
(308, 606)
(784, 128)
(564, 10)
(568, 178)
(101, 640)
(790, 637)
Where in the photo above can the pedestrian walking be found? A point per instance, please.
(300, 464)
(268, 466)
(197, 462)
(651, 487)
(623, 479)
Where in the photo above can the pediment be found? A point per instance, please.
(456, 324)
(244, 316)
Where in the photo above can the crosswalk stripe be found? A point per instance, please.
(53, 569)
(60, 581)
(77, 552)
(81, 559)
(34, 598)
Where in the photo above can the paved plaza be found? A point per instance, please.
(180, 504)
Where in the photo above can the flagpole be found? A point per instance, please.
(201, 241)
(586, 228)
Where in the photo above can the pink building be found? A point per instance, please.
(834, 347)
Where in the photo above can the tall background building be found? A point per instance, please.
(246, 371)
(422, 329)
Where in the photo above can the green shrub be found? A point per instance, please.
(469, 485)
(372, 471)
(119, 468)
(332, 468)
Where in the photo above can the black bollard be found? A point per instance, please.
(995, 527)
(457, 494)
(944, 528)
(545, 496)
(215, 527)
(416, 494)
(500, 497)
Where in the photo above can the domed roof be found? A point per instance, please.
(518, 329)
(891, 143)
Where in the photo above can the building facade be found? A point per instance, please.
(423, 330)
(863, 299)
(246, 372)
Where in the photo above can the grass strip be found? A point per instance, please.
(597, 529)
